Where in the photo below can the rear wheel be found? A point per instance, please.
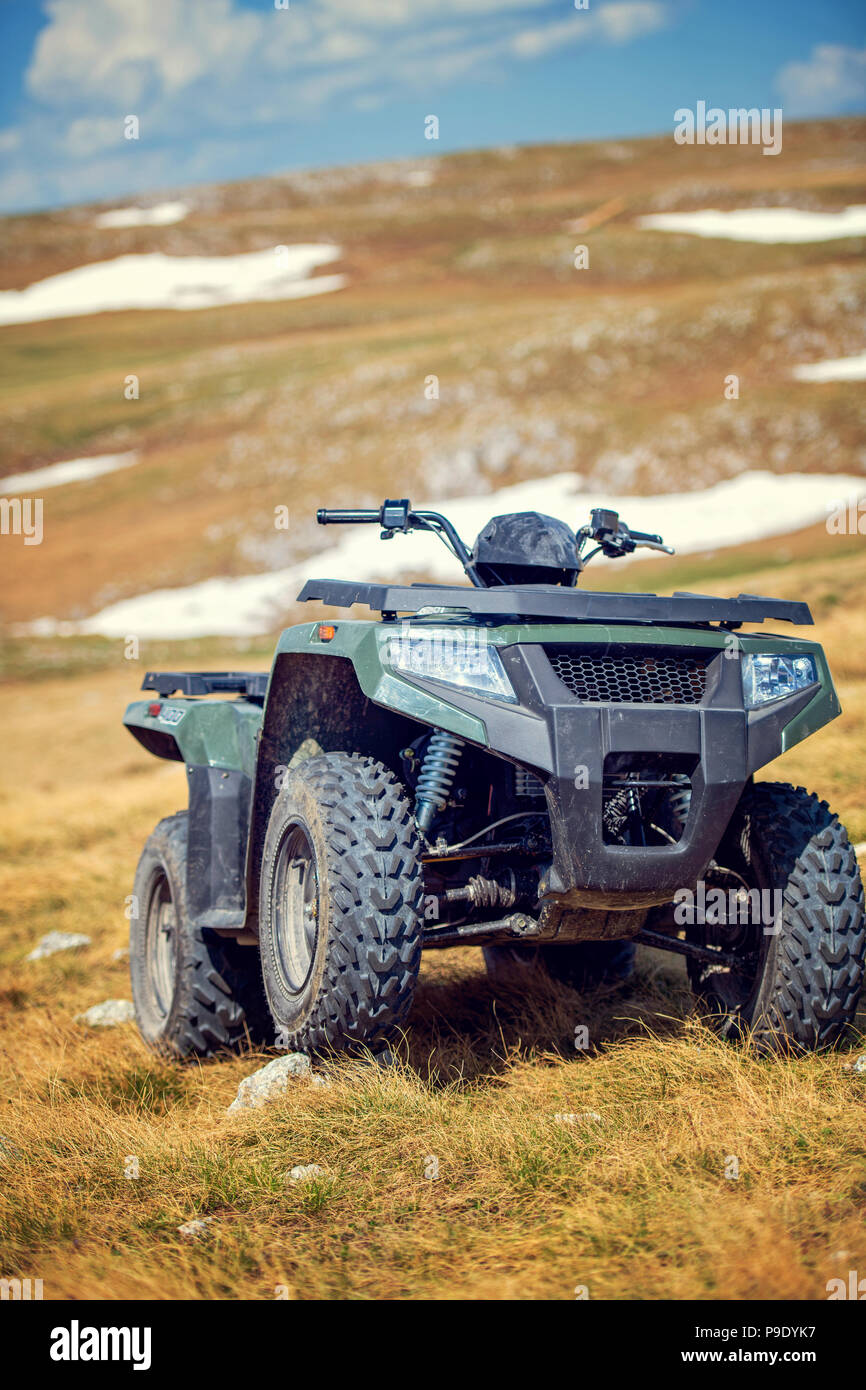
(194, 992)
(799, 958)
(340, 905)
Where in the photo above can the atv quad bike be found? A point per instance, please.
(550, 773)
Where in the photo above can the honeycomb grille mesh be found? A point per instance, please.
(646, 678)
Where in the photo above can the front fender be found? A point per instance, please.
(359, 643)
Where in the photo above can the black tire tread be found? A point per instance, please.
(814, 976)
(219, 1002)
(375, 887)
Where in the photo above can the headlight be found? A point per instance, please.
(770, 677)
(460, 656)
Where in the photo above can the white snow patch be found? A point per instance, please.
(746, 508)
(835, 369)
(762, 224)
(160, 215)
(69, 471)
(157, 281)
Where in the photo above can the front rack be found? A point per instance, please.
(553, 601)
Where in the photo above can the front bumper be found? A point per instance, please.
(566, 742)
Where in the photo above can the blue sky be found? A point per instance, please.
(231, 88)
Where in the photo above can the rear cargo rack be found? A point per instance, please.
(252, 684)
(552, 601)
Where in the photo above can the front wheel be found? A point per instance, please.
(340, 901)
(790, 921)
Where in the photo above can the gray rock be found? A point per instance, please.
(195, 1228)
(122, 953)
(860, 1064)
(304, 1171)
(107, 1014)
(270, 1082)
(56, 941)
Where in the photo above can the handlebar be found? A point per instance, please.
(328, 517)
(644, 537)
(614, 538)
(397, 515)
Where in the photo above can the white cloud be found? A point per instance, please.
(630, 19)
(122, 51)
(833, 78)
(93, 50)
(394, 14)
(205, 77)
(87, 135)
(20, 188)
(533, 43)
(614, 23)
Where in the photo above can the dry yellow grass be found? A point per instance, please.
(635, 1205)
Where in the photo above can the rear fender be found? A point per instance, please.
(217, 741)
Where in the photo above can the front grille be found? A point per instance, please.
(632, 677)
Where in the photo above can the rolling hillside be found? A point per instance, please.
(459, 268)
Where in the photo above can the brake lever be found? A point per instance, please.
(616, 540)
(656, 545)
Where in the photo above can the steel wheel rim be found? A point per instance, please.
(729, 992)
(295, 908)
(161, 930)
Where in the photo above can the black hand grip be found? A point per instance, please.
(645, 536)
(393, 515)
(328, 517)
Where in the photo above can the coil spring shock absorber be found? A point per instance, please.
(681, 798)
(436, 777)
